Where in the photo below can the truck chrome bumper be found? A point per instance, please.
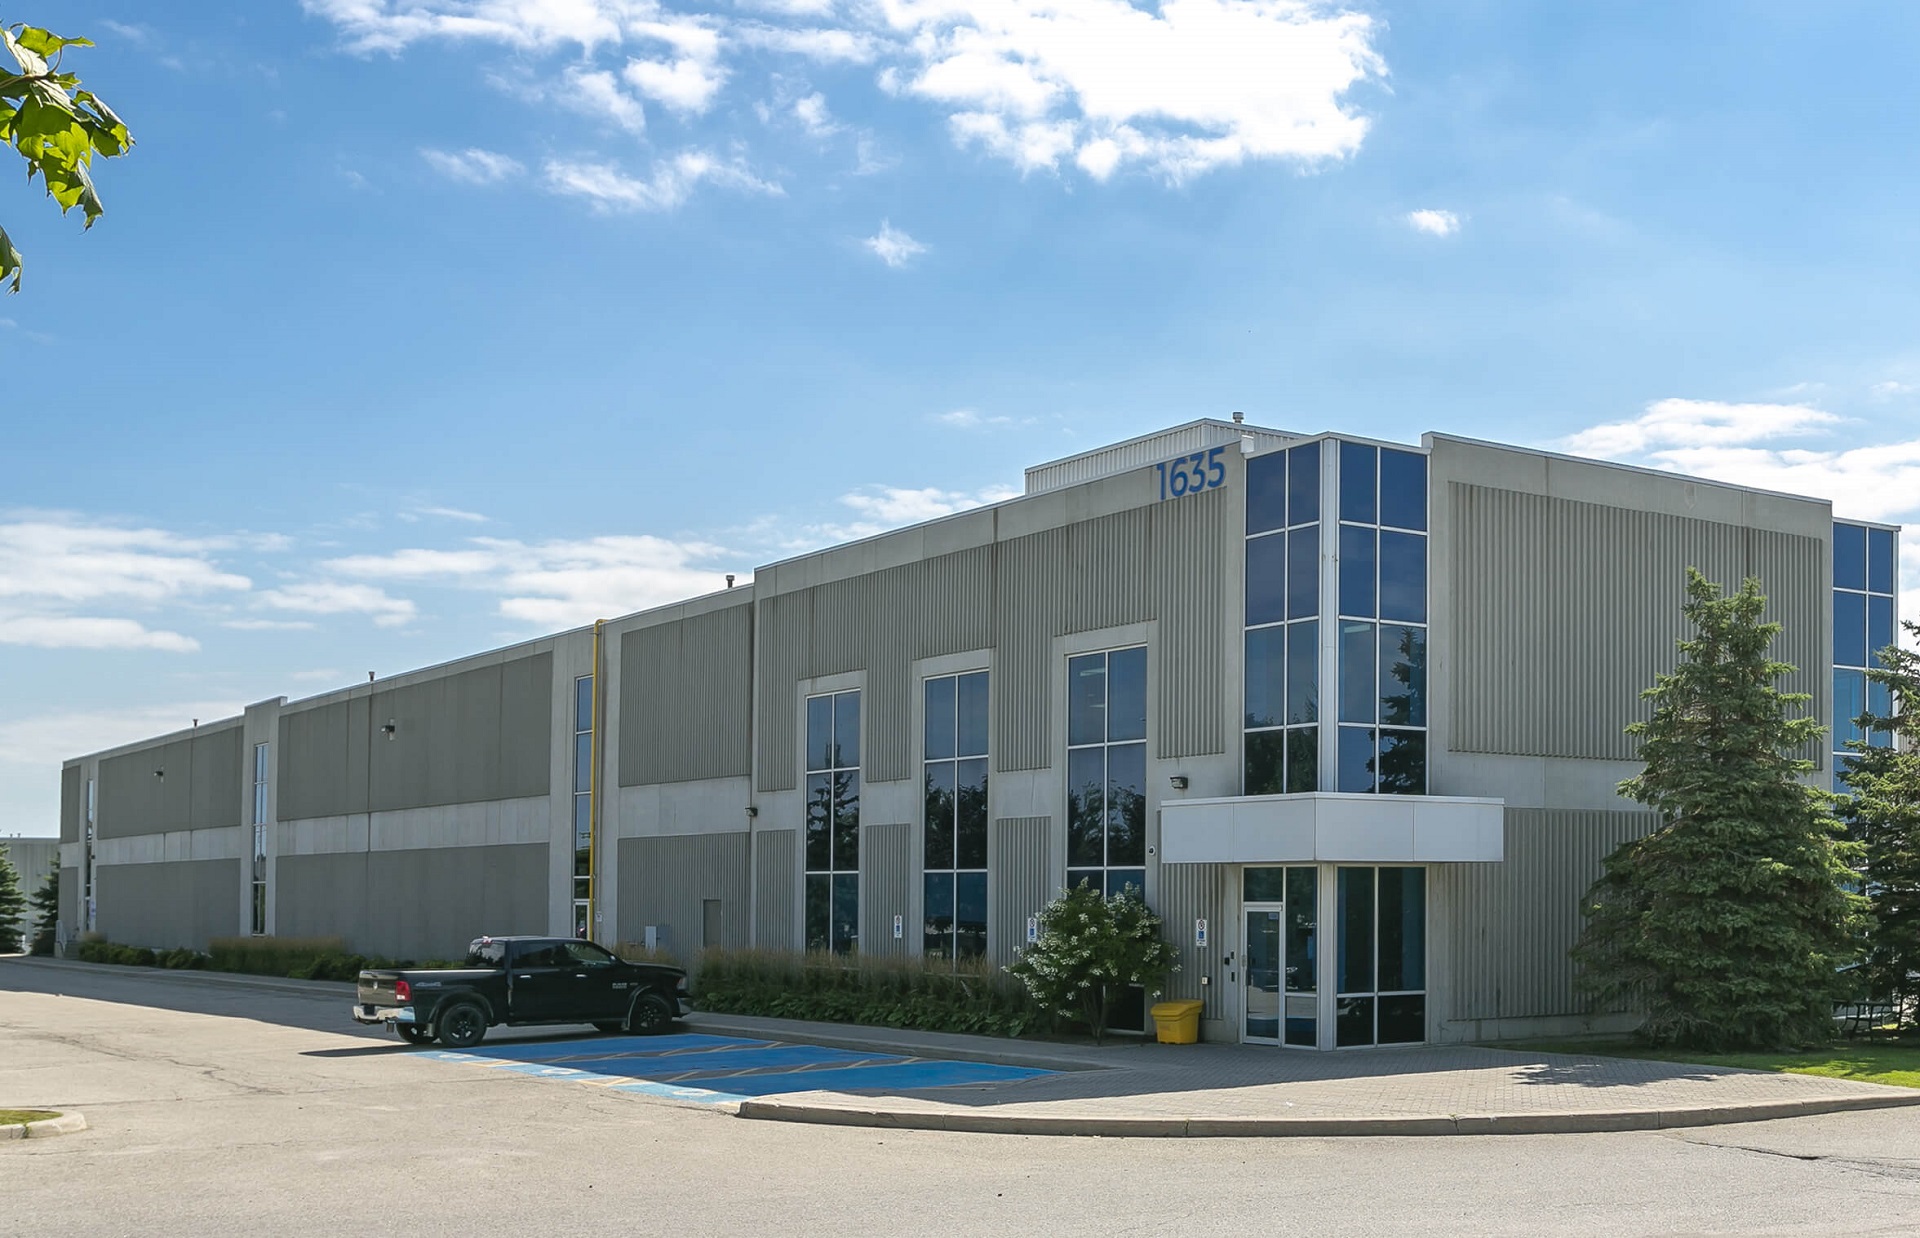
(363, 1013)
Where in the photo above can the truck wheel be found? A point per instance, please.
(414, 1033)
(650, 1015)
(461, 1027)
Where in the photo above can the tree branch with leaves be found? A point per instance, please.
(55, 125)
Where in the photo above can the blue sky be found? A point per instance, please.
(419, 326)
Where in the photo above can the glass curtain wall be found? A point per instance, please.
(954, 826)
(259, 839)
(1865, 583)
(1380, 966)
(1107, 770)
(582, 805)
(1282, 689)
(1382, 613)
(833, 822)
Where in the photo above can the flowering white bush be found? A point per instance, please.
(1089, 950)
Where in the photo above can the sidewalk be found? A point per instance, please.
(1132, 1088)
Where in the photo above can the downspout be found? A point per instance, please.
(595, 755)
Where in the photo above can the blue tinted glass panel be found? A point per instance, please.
(1267, 579)
(1849, 629)
(1403, 676)
(1303, 484)
(1403, 929)
(1303, 572)
(939, 718)
(1267, 492)
(973, 714)
(1356, 759)
(1127, 694)
(583, 703)
(1353, 971)
(1879, 627)
(1090, 877)
(1358, 570)
(1265, 770)
(939, 814)
(819, 912)
(1849, 701)
(1841, 764)
(1119, 879)
(1086, 806)
(970, 815)
(846, 820)
(846, 912)
(819, 821)
(583, 763)
(1849, 556)
(1303, 759)
(1358, 499)
(1087, 699)
(1127, 804)
(1403, 577)
(1880, 560)
(1403, 489)
(819, 732)
(846, 730)
(1266, 676)
(1403, 762)
(1263, 885)
(1303, 671)
(1356, 672)
(939, 915)
(1880, 705)
(970, 915)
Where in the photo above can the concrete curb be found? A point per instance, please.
(1561, 1123)
(860, 1036)
(64, 1124)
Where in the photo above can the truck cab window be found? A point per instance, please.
(585, 952)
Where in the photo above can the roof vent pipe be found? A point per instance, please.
(1239, 418)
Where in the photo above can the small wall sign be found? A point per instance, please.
(1200, 933)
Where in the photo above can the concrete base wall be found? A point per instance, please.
(167, 905)
(423, 904)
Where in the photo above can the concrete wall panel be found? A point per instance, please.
(1190, 892)
(420, 904)
(201, 788)
(168, 905)
(72, 803)
(776, 878)
(686, 699)
(72, 914)
(886, 864)
(667, 882)
(1020, 883)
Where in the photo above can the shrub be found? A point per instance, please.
(929, 995)
(1090, 949)
(93, 948)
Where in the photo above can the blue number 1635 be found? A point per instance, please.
(1203, 470)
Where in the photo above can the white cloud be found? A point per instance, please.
(268, 625)
(671, 182)
(89, 632)
(689, 82)
(1434, 223)
(535, 25)
(881, 508)
(814, 117)
(414, 515)
(42, 741)
(820, 45)
(560, 583)
(598, 93)
(331, 597)
(473, 165)
(968, 419)
(1889, 389)
(893, 247)
(1677, 423)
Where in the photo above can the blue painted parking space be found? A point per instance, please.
(714, 1069)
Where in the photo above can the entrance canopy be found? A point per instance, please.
(1326, 826)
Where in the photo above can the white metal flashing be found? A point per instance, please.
(1330, 827)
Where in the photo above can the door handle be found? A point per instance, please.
(524, 977)
(579, 975)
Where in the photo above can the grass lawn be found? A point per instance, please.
(13, 1117)
(1895, 1062)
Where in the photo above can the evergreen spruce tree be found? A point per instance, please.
(46, 913)
(1883, 816)
(1728, 924)
(13, 904)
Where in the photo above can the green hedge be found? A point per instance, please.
(138, 956)
(933, 996)
(298, 958)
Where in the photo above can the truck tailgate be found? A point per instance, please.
(377, 988)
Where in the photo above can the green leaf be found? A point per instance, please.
(45, 42)
(29, 61)
(10, 262)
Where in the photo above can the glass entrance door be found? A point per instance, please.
(1281, 948)
(1263, 970)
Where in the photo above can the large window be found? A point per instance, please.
(259, 839)
(833, 822)
(955, 821)
(583, 806)
(1382, 613)
(1107, 770)
(1381, 962)
(1282, 697)
(1865, 584)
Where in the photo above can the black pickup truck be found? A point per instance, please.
(521, 980)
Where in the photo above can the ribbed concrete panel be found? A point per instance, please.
(782, 634)
(72, 914)
(1190, 892)
(423, 904)
(1020, 883)
(886, 856)
(1800, 601)
(686, 699)
(72, 799)
(201, 789)
(321, 763)
(775, 878)
(1509, 925)
(670, 881)
(1187, 538)
(168, 905)
(1031, 584)
(1564, 612)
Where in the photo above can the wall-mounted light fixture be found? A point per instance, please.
(1178, 782)
(389, 728)
(753, 810)
(160, 773)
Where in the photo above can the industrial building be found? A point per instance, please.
(1349, 713)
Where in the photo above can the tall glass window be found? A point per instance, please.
(1382, 613)
(1380, 968)
(1107, 770)
(1866, 583)
(1282, 668)
(86, 875)
(583, 806)
(259, 839)
(833, 821)
(954, 822)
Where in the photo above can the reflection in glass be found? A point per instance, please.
(1359, 570)
(1267, 492)
(846, 820)
(1127, 804)
(1879, 627)
(970, 915)
(1357, 468)
(1849, 556)
(1403, 576)
(1303, 759)
(1264, 770)
(1086, 806)
(1403, 929)
(583, 703)
(1266, 579)
(940, 737)
(1263, 885)
(1849, 702)
(1303, 484)
(1356, 760)
(846, 730)
(1127, 693)
(1302, 929)
(819, 821)
(973, 715)
(1353, 1022)
(1303, 671)
(1881, 568)
(1880, 705)
(1303, 572)
(1403, 675)
(1403, 763)
(970, 815)
(583, 762)
(819, 732)
(819, 911)
(1131, 882)
(846, 912)
(1849, 629)
(1354, 963)
(1087, 699)
(582, 820)
(1356, 672)
(1266, 676)
(1403, 489)
(939, 814)
(1263, 975)
(938, 933)
(1403, 1019)
(1092, 878)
